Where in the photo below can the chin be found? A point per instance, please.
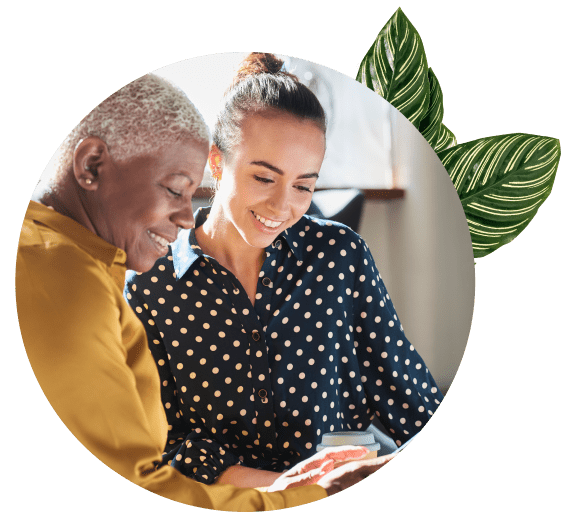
(260, 242)
(140, 266)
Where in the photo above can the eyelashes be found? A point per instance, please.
(173, 193)
(263, 180)
(270, 181)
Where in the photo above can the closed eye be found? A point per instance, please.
(262, 179)
(174, 193)
(304, 188)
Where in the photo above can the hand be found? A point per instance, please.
(350, 473)
(311, 470)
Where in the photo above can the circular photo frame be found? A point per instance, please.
(269, 321)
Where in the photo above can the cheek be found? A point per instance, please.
(148, 212)
(240, 198)
(302, 204)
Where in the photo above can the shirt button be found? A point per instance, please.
(256, 335)
(263, 395)
(266, 281)
(278, 243)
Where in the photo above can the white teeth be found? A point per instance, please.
(160, 240)
(268, 222)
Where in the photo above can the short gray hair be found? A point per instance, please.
(138, 119)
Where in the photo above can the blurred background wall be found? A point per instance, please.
(422, 248)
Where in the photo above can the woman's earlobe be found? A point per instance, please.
(88, 182)
(88, 178)
(215, 163)
(89, 155)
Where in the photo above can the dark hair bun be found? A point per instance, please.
(261, 85)
(258, 63)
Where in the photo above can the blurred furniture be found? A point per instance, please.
(344, 206)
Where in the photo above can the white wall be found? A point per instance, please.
(358, 141)
(422, 248)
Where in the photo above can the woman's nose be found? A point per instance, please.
(183, 217)
(279, 202)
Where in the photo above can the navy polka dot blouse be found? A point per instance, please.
(321, 350)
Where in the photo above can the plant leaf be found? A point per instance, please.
(430, 124)
(445, 140)
(438, 136)
(501, 181)
(395, 67)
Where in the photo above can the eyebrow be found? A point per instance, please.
(280, 172)
(177, 174)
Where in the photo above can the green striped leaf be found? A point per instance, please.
(438, 136)
(395, 67)
(445, 140)
(501, 181)
(430, 124)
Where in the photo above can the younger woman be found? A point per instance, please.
(269, 327)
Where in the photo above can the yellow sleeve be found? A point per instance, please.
(70, 315)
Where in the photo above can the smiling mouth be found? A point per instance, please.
(160, 241)
(267, 222)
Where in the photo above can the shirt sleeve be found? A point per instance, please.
(399, 388)
(192, 451)
(70, 322)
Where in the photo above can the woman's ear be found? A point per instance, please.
(215, 163)
(90, 157)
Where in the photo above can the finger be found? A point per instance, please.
(337, 454)
(361, 468)
(346, 452)
(368, 466)
(311, 464)
(296, 480)
(313, 475)
(326, 467)
(307, 478)
(314, 462)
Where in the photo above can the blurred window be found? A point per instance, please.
(359, 122)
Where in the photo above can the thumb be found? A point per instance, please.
(325, 468)
(312, 476)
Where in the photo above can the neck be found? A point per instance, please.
(219, 238)
(65, 199)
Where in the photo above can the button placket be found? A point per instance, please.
(258, 358)
(263, 393)
(262, 373)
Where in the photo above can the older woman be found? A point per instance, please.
(269, 327)
(121, 190)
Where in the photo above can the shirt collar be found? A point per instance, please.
(294, 237)
(87, 240)
(185, 250)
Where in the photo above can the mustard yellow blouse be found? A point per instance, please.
(89, 353)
